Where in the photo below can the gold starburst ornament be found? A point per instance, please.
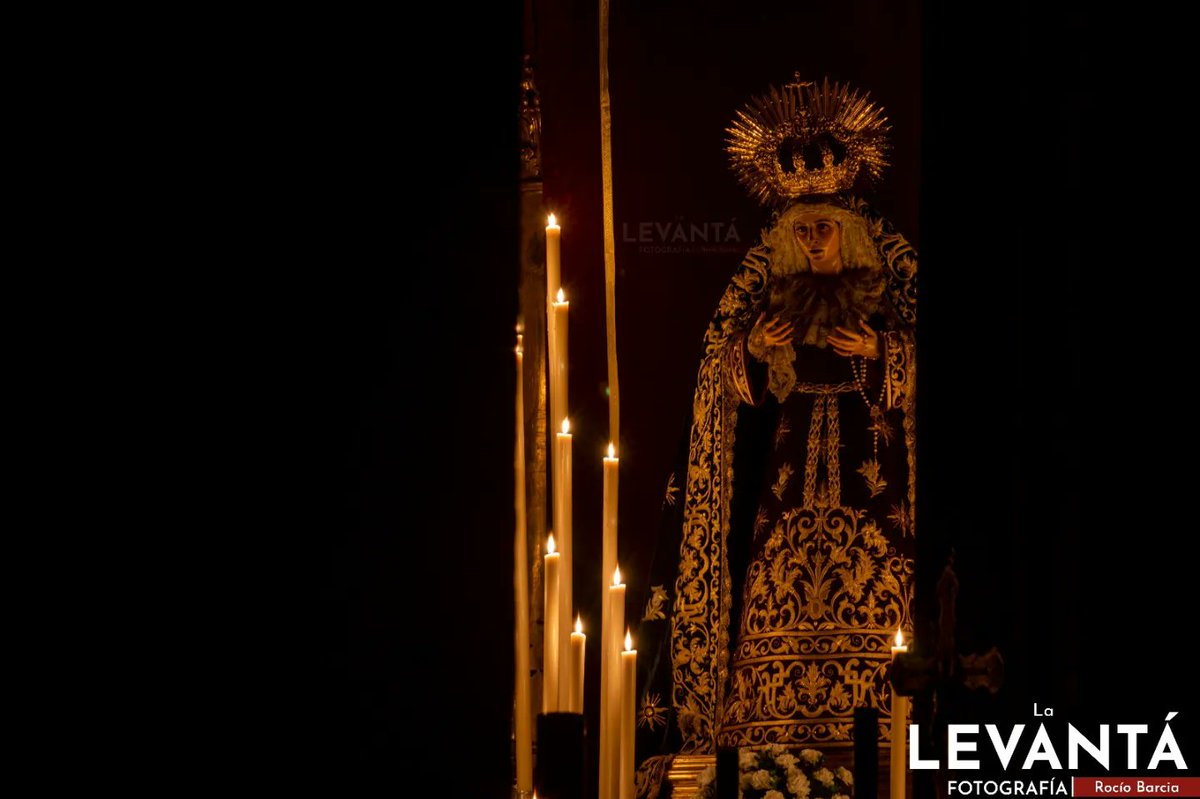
(808, 139)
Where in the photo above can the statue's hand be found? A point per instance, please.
(773, 332)
(864, 342)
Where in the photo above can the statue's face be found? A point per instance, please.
(821, 239)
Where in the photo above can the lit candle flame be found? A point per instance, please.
(561, 297)
(578, 625)
(551, 221)
(617, 576)
(628, 641)
(566, 427)
(612, 451)
(899, 637)
(550, 545)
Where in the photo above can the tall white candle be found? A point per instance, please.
(899, 729)
(553, 294)
(557, 350)
(556, 346)
(578, 650)
(561, 473)
(610, 705)
(628, 717)
(550, 648)
(608, 561)
(562, 526)
(553, 256)
(524, 709)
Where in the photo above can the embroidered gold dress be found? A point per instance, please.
(769, 618)
(830, 566)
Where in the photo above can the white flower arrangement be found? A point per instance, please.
(797, 783)
(773, 772)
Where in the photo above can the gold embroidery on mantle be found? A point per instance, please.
(781, 431)
(910, 444)
(870, 472)
(672, 490)
(700, 613)
(813, 451)
(833, 443)
(825, 388)
(823, 600)
(880, 425)
(824, 443)
(655, 604)
(696, 616)
(652, 714)
(900, 259)
(785, 474)
(900, 379)
(650, 775)
(725, 584)
(902, 516)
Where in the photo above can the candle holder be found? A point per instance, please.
(684, 775)
(728, 774)
(866, 752)
(560, 756)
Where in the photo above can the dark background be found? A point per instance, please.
(1037, 159)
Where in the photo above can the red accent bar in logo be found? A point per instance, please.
(1135, 786)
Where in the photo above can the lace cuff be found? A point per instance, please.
(756, 343)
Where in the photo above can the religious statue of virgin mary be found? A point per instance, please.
(784, 565)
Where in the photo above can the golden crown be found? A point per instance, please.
(808, 139)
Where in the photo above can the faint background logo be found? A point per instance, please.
(681, 236)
